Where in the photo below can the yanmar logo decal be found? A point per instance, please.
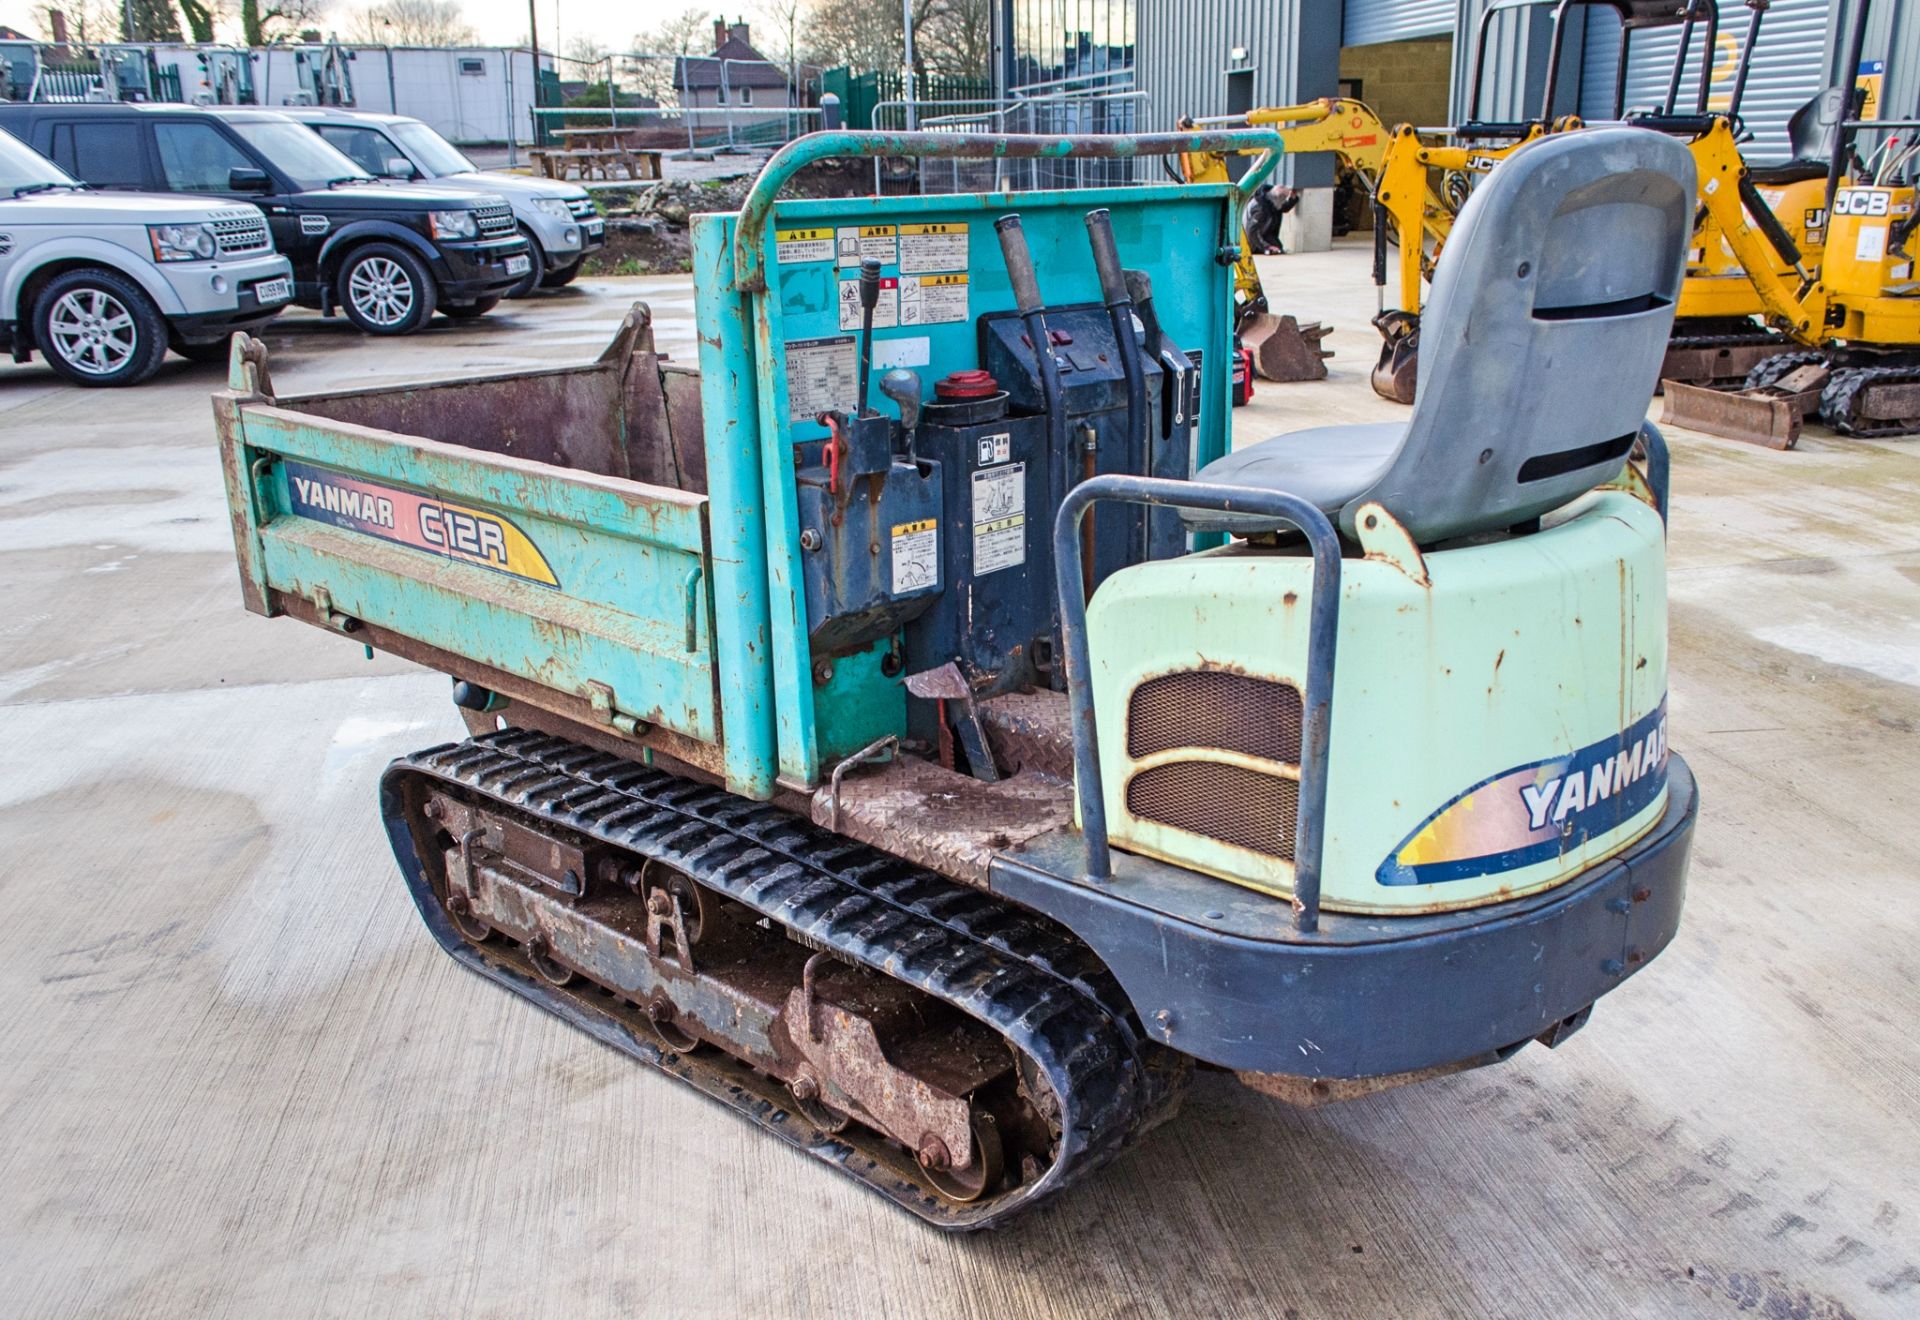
(1537, 812)
(410, 518)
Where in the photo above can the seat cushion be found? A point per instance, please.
(1325, 465)
(1792, 171)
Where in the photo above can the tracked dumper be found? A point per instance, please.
(934, 768)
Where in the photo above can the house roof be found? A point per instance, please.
(751, 69)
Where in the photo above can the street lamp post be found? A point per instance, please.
(906, 24)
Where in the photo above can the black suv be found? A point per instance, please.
(386, 255)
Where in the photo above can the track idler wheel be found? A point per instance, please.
(1395, 375)
(471, 928)
(981, 1175)
(540, 954)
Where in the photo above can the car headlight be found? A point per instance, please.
(554, 206)
(453, 224)
(183, 242)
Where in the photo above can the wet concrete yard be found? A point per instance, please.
(238, 1079)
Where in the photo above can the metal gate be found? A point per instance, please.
(1788, 68)
(1365, 22)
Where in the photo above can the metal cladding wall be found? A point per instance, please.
(1789, 66)
(1515, 75)
(1369, 21)
(1186, 49)
(1893, 35)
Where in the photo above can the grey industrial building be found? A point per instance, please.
(1413, 61)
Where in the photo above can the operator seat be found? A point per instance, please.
(1540, 347)
(1810, 136)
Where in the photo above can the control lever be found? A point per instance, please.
(1171, 362)
(869, 299)
(1113, 287)
(903, 387)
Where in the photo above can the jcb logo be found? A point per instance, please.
(1862, 201)
(1481, 164)
(1816, 217)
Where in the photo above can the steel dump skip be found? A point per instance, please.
(497, 528)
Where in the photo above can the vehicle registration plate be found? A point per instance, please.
(273, 291)
(595, 228)
(519, 265)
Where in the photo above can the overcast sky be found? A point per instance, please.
(501, 22)
(613, 22)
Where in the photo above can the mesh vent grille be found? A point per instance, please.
(1225, 802)
(240, 234)
(1212, 708)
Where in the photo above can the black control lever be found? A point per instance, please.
(1026, 300)
(1171, 362)
(1113, 287)
(869, 299)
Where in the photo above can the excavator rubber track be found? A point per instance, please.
(1088, 1083)
(1715, 356)
(1851, 391)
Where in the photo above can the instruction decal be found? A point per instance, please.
(791, 246)
(822, 376)
(933, 299)
(858, 243)
(916, 556)
(928, 248)
(999, 518)
(1535, 813)
(410, 518)
(886, 312)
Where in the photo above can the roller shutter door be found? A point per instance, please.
(1366, 22)
(1786, 71)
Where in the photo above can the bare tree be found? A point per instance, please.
(201, 16)
(87, 20)
(264, 22)
(411, 23)
(951, 37)
(691, 33)
(585, 49)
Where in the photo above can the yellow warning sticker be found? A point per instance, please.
(941, 245)
(916, 556)
(797, 245)
(933, 299)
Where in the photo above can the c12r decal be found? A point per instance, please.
(1534, 813)
(407, 517)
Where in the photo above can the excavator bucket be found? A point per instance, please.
(1396, 374)
(1284, 350)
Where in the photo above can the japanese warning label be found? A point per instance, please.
(933, 247)
(916, 556)
(822, 375)
(933, 299)
(858, 243)
(793, 245)
(886, 312)
(999, 518)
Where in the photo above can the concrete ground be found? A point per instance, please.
(238, 1080)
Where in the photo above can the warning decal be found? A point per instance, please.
(933, 299)
(916, 556)
(886, 312)
(822, 376)
(858, 243)
(933, 247)
(795, 245)
(999, 518)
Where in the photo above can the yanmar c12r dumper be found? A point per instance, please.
(916, 731)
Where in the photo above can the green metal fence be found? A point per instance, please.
(859, 93)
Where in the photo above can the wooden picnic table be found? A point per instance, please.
(596, 153)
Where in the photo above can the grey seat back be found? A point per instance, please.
(1541, 344)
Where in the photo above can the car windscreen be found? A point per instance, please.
(297, 153)
(23, 167)
(438, 155)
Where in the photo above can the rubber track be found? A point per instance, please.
(1844, 386)
(1021, 975)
